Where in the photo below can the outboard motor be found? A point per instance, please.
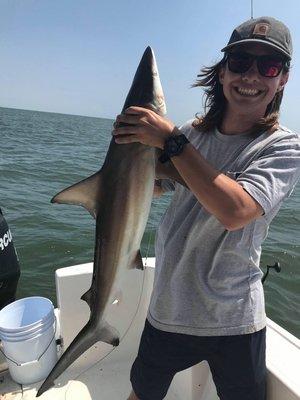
(9, 265)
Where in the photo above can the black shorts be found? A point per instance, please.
(237, 363)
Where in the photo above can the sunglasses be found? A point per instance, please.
(268, 66)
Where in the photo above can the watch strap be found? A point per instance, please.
(180, 141)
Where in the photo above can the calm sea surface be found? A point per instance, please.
(42, 153)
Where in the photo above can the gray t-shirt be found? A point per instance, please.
(207, 279)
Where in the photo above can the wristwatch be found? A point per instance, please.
(173, 146)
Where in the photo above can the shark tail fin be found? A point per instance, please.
(86, 193)
(88, 336)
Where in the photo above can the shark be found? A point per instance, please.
(119, 197)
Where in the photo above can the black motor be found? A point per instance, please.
(9, 265)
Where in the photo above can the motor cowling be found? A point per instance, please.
(9, 265)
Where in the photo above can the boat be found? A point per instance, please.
(102, 372)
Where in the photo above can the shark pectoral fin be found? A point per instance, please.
(168, 171)
(137, 262)
(108, 334)
(86, 193)
(87, 297)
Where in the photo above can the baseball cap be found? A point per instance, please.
(265, 30)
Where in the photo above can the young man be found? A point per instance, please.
(239, 165)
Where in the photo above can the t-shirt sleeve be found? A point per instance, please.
(273, 176)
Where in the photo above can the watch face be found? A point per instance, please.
(174, 145)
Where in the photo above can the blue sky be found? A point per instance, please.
(79, 56)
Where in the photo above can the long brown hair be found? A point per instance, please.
(215, 101)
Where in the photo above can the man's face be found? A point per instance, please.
(250, 92)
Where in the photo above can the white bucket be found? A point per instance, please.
(29, 340)
(26, 313)
(18, 336)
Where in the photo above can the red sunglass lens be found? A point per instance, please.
(270, 68)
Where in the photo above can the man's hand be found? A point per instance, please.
(145, 126)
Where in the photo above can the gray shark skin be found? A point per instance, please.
(119, 197)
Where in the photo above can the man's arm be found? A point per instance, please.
(219, 194)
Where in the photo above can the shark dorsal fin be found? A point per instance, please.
(86, 193)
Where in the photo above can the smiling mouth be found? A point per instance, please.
(248, 92)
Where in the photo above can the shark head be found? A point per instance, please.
(146, 90)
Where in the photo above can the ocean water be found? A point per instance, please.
(42, 153)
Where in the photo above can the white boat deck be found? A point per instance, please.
(108, 379)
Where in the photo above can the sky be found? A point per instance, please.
(80, 56)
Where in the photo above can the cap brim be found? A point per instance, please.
(274, 46)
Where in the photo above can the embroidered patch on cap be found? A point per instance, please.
(261, 29)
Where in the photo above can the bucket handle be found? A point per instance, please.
(33, 361)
